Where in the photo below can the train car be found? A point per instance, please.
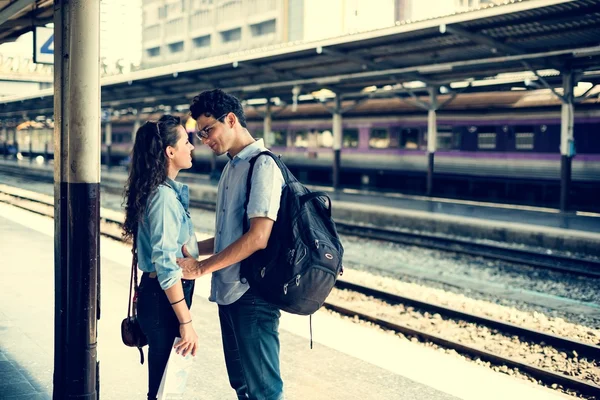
(510, 156)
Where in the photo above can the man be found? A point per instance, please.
(249, 325)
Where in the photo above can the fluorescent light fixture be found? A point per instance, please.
(252, 88)
(459, 85)
(435, 68)
(254, 102)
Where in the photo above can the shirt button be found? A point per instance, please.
(226, 187)
(223, 210)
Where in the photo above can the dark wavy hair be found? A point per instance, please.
(214, 103)
(148, 167)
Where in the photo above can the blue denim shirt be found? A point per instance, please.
(164, 229)
(267, 182)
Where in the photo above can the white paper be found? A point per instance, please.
(174, 380)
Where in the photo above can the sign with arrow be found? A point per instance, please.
(43, 45)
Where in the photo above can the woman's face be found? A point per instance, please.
(180, 156)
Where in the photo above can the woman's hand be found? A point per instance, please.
(189, 340)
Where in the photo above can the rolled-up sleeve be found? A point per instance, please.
(265, 193)
(164, 215)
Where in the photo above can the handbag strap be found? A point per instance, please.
(133, 282)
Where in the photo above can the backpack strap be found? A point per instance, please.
(287, 177)
(313, 195)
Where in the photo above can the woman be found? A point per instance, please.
(156, 215)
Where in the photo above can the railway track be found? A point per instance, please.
(42, 206)
(546, 376)
(493, 251)
(555, 262)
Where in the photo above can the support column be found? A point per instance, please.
(4, 141)
(337, 141)
(61, 221)
(15, 142)
(267, 136)
(46, 144)
(108, 139)
(77, 202)
(30, 136)
(431, 137)
(567, 141)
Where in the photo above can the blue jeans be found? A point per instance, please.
(250, 331)
(160, 325)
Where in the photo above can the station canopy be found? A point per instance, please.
(452, 53)
(20, 16)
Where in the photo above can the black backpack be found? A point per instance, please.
(303, 258)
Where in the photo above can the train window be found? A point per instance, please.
(324, 138)
(409, 138)
(486, 141)
(350, 138)
(278, 138)
(301, 139)
(524, 141)
(379, 138)
(446, 139)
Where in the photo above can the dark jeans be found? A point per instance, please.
(249, 328)
(160, 325)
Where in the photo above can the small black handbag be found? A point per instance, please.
(131, 332)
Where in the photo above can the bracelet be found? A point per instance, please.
(178, 301)
(183, 323)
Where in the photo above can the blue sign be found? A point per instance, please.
(43, 43)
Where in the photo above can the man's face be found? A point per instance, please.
(215, 132)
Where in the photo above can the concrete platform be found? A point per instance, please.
(530, 226)
(349, 361)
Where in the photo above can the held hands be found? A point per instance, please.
(189, 265)
(189, 340)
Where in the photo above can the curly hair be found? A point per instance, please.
(214, 103)
(148, 168)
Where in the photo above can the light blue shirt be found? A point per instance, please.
(166, 226)
(267, 182)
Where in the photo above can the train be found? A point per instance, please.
(495, 155)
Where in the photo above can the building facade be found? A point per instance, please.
(182, 30)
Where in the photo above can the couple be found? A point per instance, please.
(156, 208)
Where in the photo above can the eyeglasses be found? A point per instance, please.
(203, 134)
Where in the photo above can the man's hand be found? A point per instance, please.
(189, 265)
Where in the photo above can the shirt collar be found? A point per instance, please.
(181, 189)
(249, 151)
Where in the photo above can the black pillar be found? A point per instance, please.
(565, 181)
(108, 156)
(336, 168)
(567, 141)
(430, 164)
(77, 202)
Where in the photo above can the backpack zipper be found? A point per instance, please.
(303, 255)
(296, 278)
